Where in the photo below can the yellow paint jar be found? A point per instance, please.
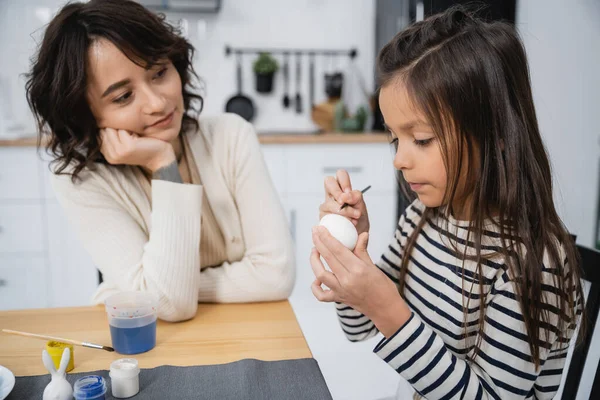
(55, 349)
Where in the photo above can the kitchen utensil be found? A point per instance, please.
(298, 96)
(286, 81)
(240, 104)
(311, 80)
(334, 81)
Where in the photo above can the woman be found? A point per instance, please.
(163, 202)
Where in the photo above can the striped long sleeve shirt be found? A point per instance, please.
(431, 351)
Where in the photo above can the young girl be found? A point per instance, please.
(478, 293)
(163, 201)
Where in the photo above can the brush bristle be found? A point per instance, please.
(107, 348)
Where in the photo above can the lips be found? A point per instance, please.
(415, 186)
(164, 121)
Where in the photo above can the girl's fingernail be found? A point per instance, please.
(347, 190)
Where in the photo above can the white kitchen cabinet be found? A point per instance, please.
(367, 164)
(304, 211)
(23, 282)
(74, 277)
(22, 228)
(298, 172)
(348, 368)
(41, 262)
(274, 156)
(19, 174)
(382, 217)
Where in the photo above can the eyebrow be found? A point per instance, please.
(115, 86)
(407, 126)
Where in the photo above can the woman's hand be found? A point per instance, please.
(338, 190)
(123, 147)
(355, 281)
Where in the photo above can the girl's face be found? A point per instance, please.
(123, 95)
(418, 155)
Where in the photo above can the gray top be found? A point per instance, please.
(245, 379)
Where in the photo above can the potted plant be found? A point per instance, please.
(265, 67)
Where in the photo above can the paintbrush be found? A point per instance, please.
(57, 339)
(362, 191)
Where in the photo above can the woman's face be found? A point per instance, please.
(123, 95)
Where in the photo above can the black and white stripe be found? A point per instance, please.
(431, 351)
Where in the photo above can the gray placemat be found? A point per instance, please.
(245, 379)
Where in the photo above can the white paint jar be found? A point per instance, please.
(125, 377)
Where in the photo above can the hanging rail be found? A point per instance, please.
(352, 53)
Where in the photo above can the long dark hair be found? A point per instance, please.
(56, 84)
(471, 80)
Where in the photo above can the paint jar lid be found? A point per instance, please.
(55, 350)
(124, 368)
(89, 387)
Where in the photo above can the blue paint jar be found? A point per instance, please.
(91, 387)
(132, 320)
(133, 339)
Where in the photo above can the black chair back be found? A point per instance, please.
(590, 264)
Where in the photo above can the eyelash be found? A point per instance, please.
(420, 143)
(161, 73)
(123, 99)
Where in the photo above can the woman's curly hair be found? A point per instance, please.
(56, 84)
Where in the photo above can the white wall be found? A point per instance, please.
(19, 34)
(320, 24)
(282, 24)
(562, 42)
(561, 39)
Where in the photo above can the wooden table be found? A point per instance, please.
(220, 333)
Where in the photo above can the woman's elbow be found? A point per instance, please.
(284, 284)
(174, 312)
(283, 291)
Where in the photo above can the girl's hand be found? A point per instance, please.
(338, 190)
(356, 282)
(123, 147)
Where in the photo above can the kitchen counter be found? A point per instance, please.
(333, 137)
(265, 138)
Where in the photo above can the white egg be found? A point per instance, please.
(341, 228)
